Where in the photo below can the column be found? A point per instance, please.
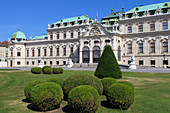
(91, 56)
(80, 53)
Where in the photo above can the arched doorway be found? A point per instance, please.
(86, 54)
(96, 54)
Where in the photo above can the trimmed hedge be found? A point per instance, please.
(45, 68)
(46, 96)
(120, 96)
(36, 70)
(82, 79)
(29, 87)
(56, 80)
(56, 70)
(61, 70)
(47, 71)
(127, 83)
(84, 98)
(108, 65)
(107, 82)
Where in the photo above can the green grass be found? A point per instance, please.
(152, 92)
(8, 69)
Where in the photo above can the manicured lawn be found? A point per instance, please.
(152, 92)
(8, 69)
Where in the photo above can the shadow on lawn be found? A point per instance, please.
(68, 109)
(25, 100)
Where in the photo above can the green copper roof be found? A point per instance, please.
(18, 35)
(72, 19)
(40, 37)
(150, 7)
(112, 15)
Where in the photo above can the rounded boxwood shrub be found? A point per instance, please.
(108, 65)
(127, 83)
(29, 87)
(45, 68)
(82, 79)
(56, 80)
(46, 96)
(36, 70)
(56, 70)
(107, 82)
(120, 96)
(84, 98)
(61, 70)
(47, 71)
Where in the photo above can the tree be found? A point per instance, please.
(108, 65)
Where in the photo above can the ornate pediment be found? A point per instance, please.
(94, 31)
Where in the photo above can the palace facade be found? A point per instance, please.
(143, 31)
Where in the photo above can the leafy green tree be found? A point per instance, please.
(108, 65)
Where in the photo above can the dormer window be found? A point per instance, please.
(137, 9)
(165, 4)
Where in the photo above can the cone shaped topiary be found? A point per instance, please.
(108, 65)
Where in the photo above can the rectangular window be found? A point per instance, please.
(18, 63)
(39, 52)
(152, 27)
(129, 48)
(140, 47)
(165, 25)
(78, 34)
(51, 37)
(64, 62)
(51, 62)
(11, 52)
(130, 29)
(57, 35)
(152, 62)
(140, 28)
(140, 62)
(165, 62)
(64, 51)
(51, 51)
(33, 53)
(152, 47)
(57, 62)
(71, 51)
(27, 63)
(32, 62)
(57, 51)
(165, 46)
(27, 52)
(18, 52)
(45, 62)
(64, 35)
(72, 35)
(45, 52)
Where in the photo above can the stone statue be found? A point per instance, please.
(132, 64)
(41, 64)
(70, 63)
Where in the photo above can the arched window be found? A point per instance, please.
(96, 54)
(86, 54)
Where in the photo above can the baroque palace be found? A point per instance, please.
(143, 31)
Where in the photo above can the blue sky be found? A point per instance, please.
(33, 16)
